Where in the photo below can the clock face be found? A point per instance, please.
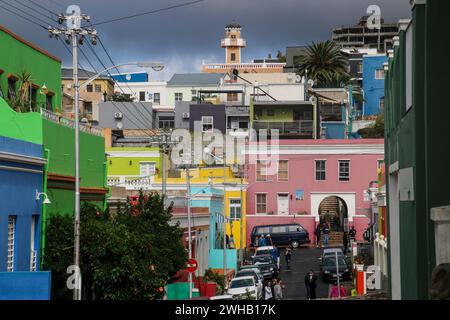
(128, 77)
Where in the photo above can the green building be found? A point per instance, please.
(45, 126)
(416, 147)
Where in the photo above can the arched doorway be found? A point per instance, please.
(333, 210)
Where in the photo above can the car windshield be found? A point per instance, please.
(246, 273)
(262, 259)
(265, 251)
(239, 283)
(331, 262)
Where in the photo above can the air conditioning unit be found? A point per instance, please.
(185, 115)
(118, 115)
(234, 125)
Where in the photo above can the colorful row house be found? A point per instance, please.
(304, 181)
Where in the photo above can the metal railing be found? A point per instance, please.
(130, 182)
(369, 233)
(70, 123)
(293, 128)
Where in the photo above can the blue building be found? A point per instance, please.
(373, 83)
(131, 77)
(21, 181)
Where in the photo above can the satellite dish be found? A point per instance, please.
(120, 125)
(128, 77)
(298, 78)
(311, 82)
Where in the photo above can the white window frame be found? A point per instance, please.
(379, 163)
(256, 202)
(315, 169)
(12, 220)
(179, 94)
(234, 206)
(33, 251)
(339, 169)
(263, 168)
(208, 123)
(278, 170)
(150, 172)
(376, 74)
(289, 204)
(360, 67)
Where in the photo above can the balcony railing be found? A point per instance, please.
(130, 182)
(294, 128)
(70, 123)
(214, 66)
(233, 42)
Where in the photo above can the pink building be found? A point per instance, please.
(313, 180)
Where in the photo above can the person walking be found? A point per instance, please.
(334, 291)
(269, 241)
(317, 233)
(262, 241)
(345, 241)
(343, 291)
(310, 283)
(326, 234)
(287, 257)
(278, 290)
(278, 258)
(231, 242)
(352, 233)
(268, 291)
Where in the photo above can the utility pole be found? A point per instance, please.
(225, 215)
(241, 251)
(75, 34)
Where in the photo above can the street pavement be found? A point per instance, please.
(303, 260)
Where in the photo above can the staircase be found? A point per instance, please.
(330, 204)
(334, 239)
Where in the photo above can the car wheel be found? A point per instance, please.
(295, 244)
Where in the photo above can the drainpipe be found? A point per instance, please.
(44, 209)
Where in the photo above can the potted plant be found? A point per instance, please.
(359, 262)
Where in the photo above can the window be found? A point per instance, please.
(381, 103)
(89, 88)
(141, 95)
(157, 98)
(279, 229)
(379, 74)
(147, 169)
(11, 242)
(344, 170)
(233, 36)
(88, 108)
(261, 170)
(207, 123)
(263, 230)
(12, 88)
(233, 57)
(380, 163)
(261, 205)
(33, 252)
(49, 102)
(321, 170)
(232, 96)
(193, 92)
(270, 112)
(34, 99)
(295, 228)
(178, 96)
(98, 88)
(166, 122)
(283, 170)
(360, 67)
(235, 209)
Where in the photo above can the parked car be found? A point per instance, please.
(266, 264)
(259, 278)
(263, 250)
(255, 269)
(331, 252)
(241, 287)
(282, 234)
(329, 269)
(222, 297)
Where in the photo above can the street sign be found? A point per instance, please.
(192, 265)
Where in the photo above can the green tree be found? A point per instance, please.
(129, 255)
(281, 56)
(374, 131)
(120, 97)
(325, 64)
(20, 100)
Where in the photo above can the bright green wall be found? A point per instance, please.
(17, 57)
(61, 141)
(20, 126)
(121, 165)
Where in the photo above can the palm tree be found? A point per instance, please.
(324, 63)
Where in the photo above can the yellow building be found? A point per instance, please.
(92, 95)
(207, 176)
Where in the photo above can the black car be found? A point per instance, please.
(329, 269)
(292, 234)
(265, 264)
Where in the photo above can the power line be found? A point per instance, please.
(148, 12)
(33, 9)
(24, 12)
(42, 7)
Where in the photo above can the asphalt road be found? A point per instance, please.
(303, 260)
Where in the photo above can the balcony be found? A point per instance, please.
(56, 118)
(130, 182)
(294, 129)
(233, 42)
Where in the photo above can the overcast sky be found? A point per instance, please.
(182, 38)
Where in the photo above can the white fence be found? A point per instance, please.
(131, 183)
(70, 123)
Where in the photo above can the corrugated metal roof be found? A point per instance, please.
(67, 73)
(195, 79)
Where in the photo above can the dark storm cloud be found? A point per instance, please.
(183, 37)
